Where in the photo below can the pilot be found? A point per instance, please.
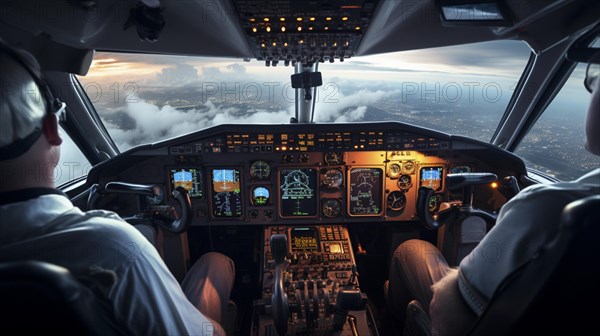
(39, 222)
(455, 298)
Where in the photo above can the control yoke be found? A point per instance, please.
(449, 211)
(170, 224)
(279, 301)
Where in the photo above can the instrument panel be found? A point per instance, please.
(280, 177)
(322, 185)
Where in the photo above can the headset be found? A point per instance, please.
(54, 106)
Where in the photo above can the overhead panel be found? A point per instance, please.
(289, 31)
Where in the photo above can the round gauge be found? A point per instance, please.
(396, 200)
(434, 203)
(260, 196)
(404, 182)
(331, 208)
(409, 167)
(333, 178)
(333, 158)
(394, 170)
(260, 170)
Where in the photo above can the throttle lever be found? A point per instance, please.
(279, 301)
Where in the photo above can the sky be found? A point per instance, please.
(141, 98)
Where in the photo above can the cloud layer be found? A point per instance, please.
(143, 122)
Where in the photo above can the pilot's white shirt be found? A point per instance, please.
(146, 295)
(525, 223)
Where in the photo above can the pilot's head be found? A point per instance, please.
(592, 123)
(29, 137)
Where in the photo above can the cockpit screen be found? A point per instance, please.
(365, 191)
(227, 198)
(431, 177)
(189, 179)
(304, 239)
(298, 192)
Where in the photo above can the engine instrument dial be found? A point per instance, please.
(333, 158)
(331, 208)
(394, 170)
(333, 179)
(404, 182)
(396, 200)
(408, 167)
(260, 170)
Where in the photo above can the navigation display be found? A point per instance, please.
(365, 191)
(227, 198)
(298, 192)
(431, 177)
(304, 239)
(189, 179)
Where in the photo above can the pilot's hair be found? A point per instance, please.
(22, 105)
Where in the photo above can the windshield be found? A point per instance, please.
(555, 143)
(460, 90)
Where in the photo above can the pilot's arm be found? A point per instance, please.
(524, 225)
